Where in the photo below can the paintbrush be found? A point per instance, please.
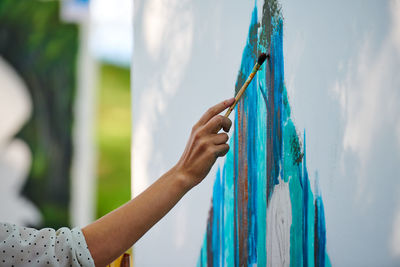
(257, 66)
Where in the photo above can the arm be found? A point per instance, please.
(131, 221)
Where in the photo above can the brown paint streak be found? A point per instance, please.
(270, 126)
(242, 186)
(209, 237)
(235, 189)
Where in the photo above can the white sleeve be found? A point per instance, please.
(23, 246)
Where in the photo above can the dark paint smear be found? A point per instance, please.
(274, 119)
(306, 187)
(316, 245)
(320, 233)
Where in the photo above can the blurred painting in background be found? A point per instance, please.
(42, 52)
(64, 110)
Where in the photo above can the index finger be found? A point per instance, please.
(215, 110)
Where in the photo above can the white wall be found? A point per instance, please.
(342, 60)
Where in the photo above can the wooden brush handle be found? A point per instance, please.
(244, 87)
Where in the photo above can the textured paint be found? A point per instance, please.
(263, 210)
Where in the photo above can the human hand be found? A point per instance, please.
(205, 145)
(129, 223)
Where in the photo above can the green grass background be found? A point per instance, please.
(113, 138)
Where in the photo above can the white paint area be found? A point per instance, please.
(279, 220)
(15, 156)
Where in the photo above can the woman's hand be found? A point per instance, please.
(205, 145)
(111, 235)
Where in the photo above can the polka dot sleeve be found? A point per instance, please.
(22, 246)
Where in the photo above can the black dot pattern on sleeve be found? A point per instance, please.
(21, 246)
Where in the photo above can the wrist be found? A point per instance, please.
(181, 179)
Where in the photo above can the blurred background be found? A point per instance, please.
(64, 110)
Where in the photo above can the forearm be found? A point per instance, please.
(113, 234)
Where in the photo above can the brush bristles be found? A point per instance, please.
(262, 58)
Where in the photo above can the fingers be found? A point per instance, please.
(215, 110)
(220, 138)
(221, 150)
(220, 146)
(217, 123)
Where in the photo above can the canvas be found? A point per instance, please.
(312, 176)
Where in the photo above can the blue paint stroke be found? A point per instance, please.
(320, 231)
(265, 151)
